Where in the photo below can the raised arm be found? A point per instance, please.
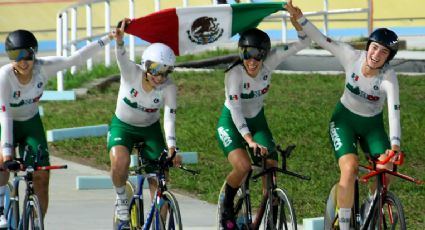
(127, 67)
(340, 50)
(278, 55)
(52, 64)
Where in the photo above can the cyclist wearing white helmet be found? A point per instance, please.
(21, 86)
(144, 89)
(358, 116)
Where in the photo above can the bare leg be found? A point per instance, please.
(41, 189)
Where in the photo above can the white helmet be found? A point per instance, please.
(158, 53)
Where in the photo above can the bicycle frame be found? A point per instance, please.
(161, 165)
(380, 192)
(271, 185)
(15, 220)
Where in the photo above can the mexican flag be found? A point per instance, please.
(192, 29)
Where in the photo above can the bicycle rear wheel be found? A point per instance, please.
(392, 213)
(171, 219)
(280, 214)
(32, 216)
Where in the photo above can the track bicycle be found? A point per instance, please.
(31, 217)
(276, 210)
(164, 212)
(384, 211)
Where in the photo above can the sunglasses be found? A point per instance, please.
(246, 53)
(21, 54)
(156, 69)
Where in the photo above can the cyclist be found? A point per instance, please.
(144, 89)
(21, 86)
(247, 82)
(358, 116)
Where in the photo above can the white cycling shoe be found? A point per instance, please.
(3, 222)
(121, 209)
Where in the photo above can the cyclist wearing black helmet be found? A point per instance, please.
(358, 117)
(247, 83)
(21, 86)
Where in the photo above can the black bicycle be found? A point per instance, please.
(276, 210)
(31, 217)
(384, 211)
(164, 212)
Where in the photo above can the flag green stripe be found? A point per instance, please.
(249, 15)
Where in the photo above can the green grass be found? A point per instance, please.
(298, 109)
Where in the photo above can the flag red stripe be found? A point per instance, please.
(161, 26)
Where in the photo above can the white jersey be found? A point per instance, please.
(139, 108)
(362, 95)
(20, 102)
(244, 94)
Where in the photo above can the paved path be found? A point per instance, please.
(72, 209)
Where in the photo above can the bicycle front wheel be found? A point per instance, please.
(32, 216)
(392, 213)
(135, 210)
(330, 211)
(280, 214)
(170, 212)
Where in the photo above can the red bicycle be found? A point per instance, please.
(384, 211)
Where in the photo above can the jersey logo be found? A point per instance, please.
(265, 77)
(256, 93)
(375, 87)
(134, 92)
(27, 101)
(156, 100)
(355, 77)
(396, 107)
(233, 97)
(173, 111)
(134, 105)
(357, 91)
(16, 94)
(39, 85)
(246, 85)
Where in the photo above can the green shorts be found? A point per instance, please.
(346, 129)
(121, 133)
(31, 132)
(230, 139)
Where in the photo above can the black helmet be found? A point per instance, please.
(386, 38)
(255, 38)
(21, 39)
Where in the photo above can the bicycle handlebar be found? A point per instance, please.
(163, 161)
(392, 153)
(284, 154)
(52, 167)
(399, 161)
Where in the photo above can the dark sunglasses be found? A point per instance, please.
(246, 53)
(21, 54)
(156, 69)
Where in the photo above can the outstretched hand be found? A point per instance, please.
(118, 33)
(294, 11)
